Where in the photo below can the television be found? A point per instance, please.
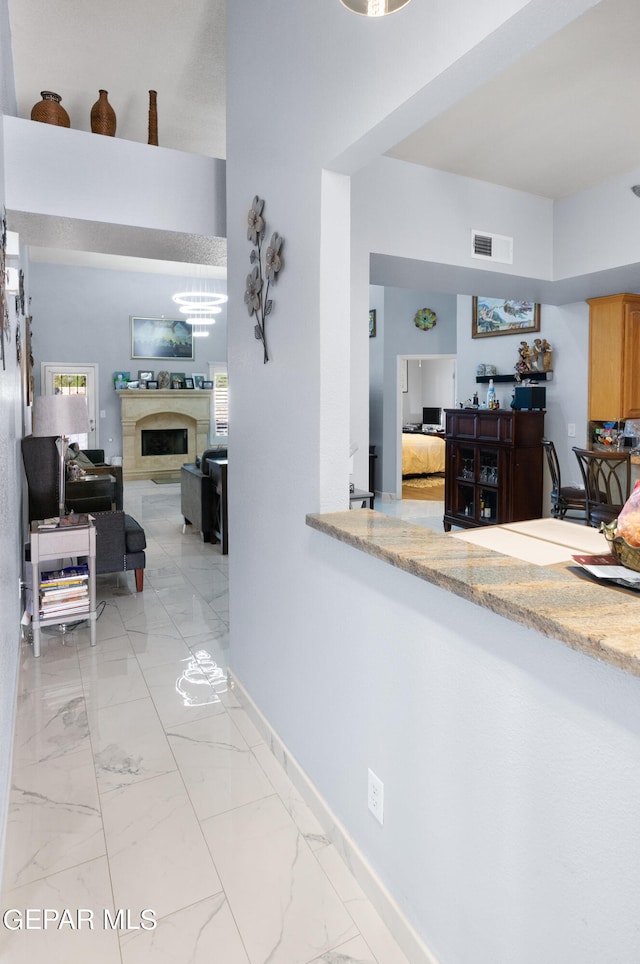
(431, 415)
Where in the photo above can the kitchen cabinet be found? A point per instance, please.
(493, 466)
(614, 357)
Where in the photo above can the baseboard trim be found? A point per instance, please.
(403, 932)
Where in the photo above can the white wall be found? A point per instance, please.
(598, 228)
(11, 431)
(61, 172)
(509, 761)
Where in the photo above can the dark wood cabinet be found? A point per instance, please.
(493, 467)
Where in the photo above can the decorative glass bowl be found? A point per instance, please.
(626, 555)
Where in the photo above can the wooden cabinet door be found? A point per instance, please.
(614, 357)
(605, 358)
(631, 364)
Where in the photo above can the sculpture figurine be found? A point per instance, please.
(537, 358)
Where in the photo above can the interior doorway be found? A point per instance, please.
(70, 379)
(426, 382)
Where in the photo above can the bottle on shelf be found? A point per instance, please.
(491, 395)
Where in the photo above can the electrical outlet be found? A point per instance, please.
(375, 795)
(571, 430)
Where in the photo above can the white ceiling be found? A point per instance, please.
(560, 120)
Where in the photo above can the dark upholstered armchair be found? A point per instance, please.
(196, 493)
(41, 465)
(120, 540)
(120, 545)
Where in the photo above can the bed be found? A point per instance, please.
(422, 454)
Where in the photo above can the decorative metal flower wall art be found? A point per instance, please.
(260, 278)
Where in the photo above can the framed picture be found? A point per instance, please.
(145, 376)
(177, 379)
(161, 338)
(207, 384)
(152, 383)
(188, 383)
(495, 316)
(372, 323)
(121, 379)
(197, 380)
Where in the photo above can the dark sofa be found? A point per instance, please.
(196, 493)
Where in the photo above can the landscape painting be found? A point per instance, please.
(161, 338)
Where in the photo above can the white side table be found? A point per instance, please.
(47, 545)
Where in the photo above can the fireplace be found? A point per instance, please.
(164, 441)
(177, 414)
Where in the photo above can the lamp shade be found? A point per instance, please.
(374, 8)
(60, 415)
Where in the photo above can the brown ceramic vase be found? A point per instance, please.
(49, 110)
(153, 118)
(103, 116)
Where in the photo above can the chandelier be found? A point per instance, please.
(374, 8)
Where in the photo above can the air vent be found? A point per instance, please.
(492, 247)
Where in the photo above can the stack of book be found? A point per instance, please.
(64, 592)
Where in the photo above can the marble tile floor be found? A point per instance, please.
(140, 787)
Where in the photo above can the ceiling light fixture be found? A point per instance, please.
(199, 301)
(374, 8)
(200, 320)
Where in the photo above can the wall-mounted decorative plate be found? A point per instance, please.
(425, 319)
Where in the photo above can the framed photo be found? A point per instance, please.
(161, 338)
(197, 380)
(152, 383)
(145, 376)
(372, 323)
(121, 379)
(495, 316)
(207, 384)
(188, 383)
(177, 379)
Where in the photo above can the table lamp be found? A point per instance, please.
(61, 416)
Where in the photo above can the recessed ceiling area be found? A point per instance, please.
(563, 118)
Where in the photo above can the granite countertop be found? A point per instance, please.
(600, 620)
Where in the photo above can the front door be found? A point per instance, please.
(70, 379)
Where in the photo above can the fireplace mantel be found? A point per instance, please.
(156, 409)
